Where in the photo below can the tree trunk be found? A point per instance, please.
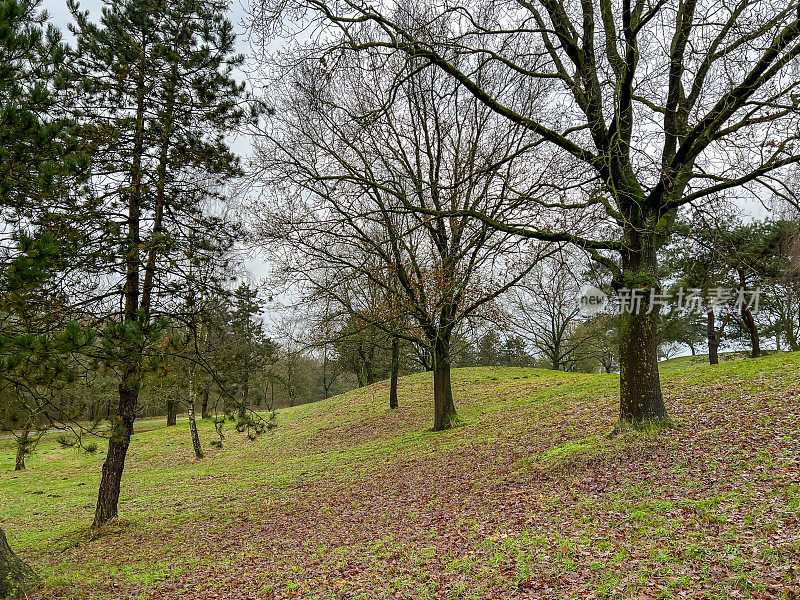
(20, 466)
(16, 577)
(122, 422)
(443, 406)
(750, 325)
(172, 413)
(555, 357)
(204, 405)
(23, 444)
(791, 336)
(198, 451)
(641, 401)
(108, 496)
(370, 372)
(713, 338)
(393, 401)
(749, 321)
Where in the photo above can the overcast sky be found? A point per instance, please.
(60, 17)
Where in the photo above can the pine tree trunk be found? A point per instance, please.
(204, 405)
(713, 339)
(198, 451)
(641, 400)
(16, 577)
(749, 322)
(111, 480)
(393, 401)
(443, 406)
(122, 423)
(752, 330)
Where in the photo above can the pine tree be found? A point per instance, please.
(159, 99)
(37, 152)
(38, 159)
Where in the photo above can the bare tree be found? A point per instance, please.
(544, 310)
(654, 106)
(348, 156)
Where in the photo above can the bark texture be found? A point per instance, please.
(20, 464)
(108, 496)
(172, 413)
(16, 577)
(713, 339)
(444, 408)
(641, 400)
(393, 400)
(204, 405)
(22, 448)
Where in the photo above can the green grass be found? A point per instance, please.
(346, 498)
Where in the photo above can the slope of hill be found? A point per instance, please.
(528, 498)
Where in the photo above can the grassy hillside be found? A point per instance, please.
(527, 498)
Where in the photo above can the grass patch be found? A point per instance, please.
(347, 498)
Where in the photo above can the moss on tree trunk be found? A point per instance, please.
(444, 408)
(641, 400)
(111, 480)
(16, 577)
